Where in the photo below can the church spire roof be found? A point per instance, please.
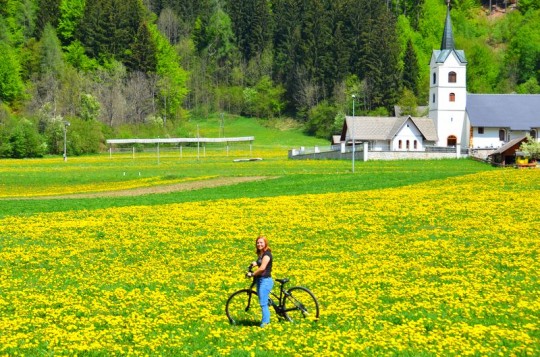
(447, 42)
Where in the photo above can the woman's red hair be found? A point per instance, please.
(266, 246)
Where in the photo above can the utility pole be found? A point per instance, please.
(66, 124)
(352, 132)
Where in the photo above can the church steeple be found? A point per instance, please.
(448, 90)
(447, 42)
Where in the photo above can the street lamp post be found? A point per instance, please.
(66, 124)
(352, 132)
(222, 126)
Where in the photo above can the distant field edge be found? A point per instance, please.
(159, 189)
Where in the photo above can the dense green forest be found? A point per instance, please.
(132, 68)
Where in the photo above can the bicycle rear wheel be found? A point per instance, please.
(243, 308)
(301, 304)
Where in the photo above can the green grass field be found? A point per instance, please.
(406, 257)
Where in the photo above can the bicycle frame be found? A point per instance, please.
(278, 302)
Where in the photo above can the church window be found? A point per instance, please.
(400, 144)
(434, 78)
(415, 144)
(502, 135)
(408, 146)
(452, 97)
(480, 130)
(433, 97)
(452, 77)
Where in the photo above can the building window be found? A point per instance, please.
(408, 146)
(433, 97)
(502, 135)
(452, 97)
(415, 144)
(451, 141)
(434, 78)
(533, 134)
(452, 77)
(400, 145)
(480, 130)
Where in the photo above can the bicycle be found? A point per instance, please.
(294, 304)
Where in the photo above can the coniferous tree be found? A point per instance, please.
(287, 37)
(142, 54)
(357, 23)
(380, 57)
(251, 24)
(410, 69)
(317, 46)
(109, 26)
(48, 12)
(3, 7)
(340, 48)
(188, 11)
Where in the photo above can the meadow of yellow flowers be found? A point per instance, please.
(447, 267)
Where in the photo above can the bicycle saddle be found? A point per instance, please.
(282, 281)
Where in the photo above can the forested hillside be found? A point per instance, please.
(143, 67)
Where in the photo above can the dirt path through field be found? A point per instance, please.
(183, 186)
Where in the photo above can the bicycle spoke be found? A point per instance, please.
(301, 304)
(243, 308)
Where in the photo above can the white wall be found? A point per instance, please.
(514, 134)
(379, 145)
(411, 133)
(449, 117)
(489, 139)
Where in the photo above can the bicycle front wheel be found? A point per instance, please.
(243, 308)
(301, 304)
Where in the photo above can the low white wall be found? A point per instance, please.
(362, 155)
(410, 155)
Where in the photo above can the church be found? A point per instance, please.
(471, 123)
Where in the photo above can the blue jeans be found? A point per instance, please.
(264, 286)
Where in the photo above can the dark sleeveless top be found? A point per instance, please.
(268, 271)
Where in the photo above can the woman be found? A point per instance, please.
(263, 276)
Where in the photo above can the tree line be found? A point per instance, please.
(143, 67)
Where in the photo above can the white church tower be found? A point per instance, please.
(448, 91)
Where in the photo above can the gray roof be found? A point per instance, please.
(385, 128)
(370, 128)
(426, 127)
(447, 42)
(441, 56)
(514, 111)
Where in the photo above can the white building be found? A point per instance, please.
(390, 133)
(458, 118)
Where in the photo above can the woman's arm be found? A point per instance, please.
(264, 262)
